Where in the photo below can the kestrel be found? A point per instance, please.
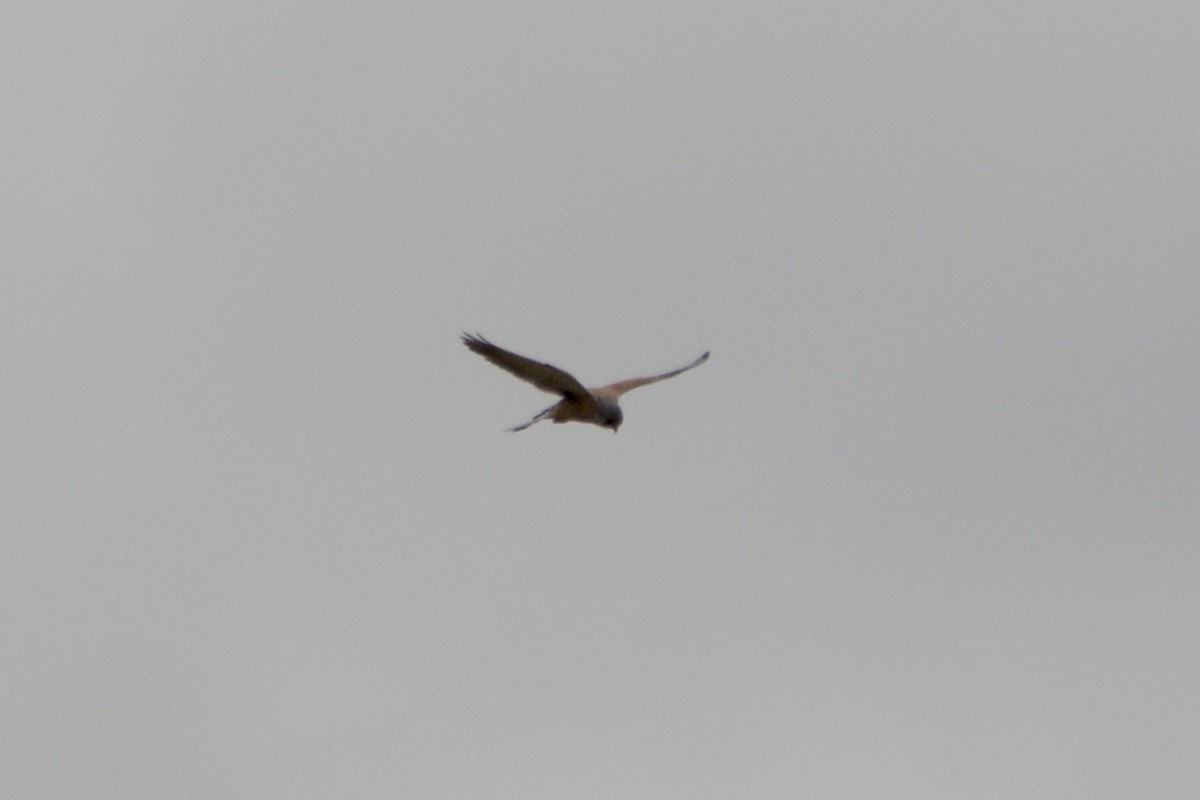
(597, 406)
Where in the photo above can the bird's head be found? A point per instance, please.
(610, 414)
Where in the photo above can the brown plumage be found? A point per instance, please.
(578, 404)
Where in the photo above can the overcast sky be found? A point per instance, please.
(927, 524)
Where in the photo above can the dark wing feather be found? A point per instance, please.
(615, 390)
(544, 376)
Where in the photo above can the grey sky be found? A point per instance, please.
(926, 525)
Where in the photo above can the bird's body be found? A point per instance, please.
(578, 404)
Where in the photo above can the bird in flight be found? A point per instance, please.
(597, 406)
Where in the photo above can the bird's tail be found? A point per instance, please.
(547, 414)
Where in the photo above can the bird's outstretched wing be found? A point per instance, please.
(615, 390)
(544, 376)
